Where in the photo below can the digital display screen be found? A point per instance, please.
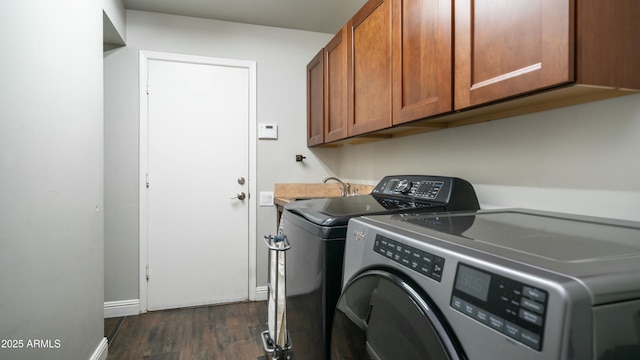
(473, 282)
(430, 185)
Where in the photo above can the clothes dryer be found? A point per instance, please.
(504, 284)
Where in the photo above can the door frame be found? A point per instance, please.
(144, 58)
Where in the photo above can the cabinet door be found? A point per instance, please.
(422, 52)
(370, 68)
(505, 48)
(315, 100)
(335, 95)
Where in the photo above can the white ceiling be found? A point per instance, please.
(326, 16)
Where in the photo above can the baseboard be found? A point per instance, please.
(261, 293)
(132, 307)
(101, 351)
(121, 308)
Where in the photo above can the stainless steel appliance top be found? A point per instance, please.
(602, 254)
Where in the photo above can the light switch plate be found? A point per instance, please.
(267, 131)
(266, 198)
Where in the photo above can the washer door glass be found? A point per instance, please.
(380, 316)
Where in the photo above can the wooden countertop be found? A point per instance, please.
(279, 201)
(287, 192)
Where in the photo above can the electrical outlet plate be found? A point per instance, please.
(266, 198)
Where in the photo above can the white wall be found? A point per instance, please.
(281, 56)
(115, 12)
(581, 159)
(121, 175)
(51, 205)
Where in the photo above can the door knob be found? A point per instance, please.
(241, 196)
(241, 180)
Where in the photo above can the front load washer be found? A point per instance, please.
(316, 230)
(502, 284)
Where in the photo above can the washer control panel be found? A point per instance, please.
(419, 187)
(515, 309)
(454, 193)
(410, 257)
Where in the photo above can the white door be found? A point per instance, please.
(198, 154)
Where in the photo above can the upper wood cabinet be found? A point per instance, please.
(509, 47)
(506, 48)
(370, 68)
(335, 86)
(422, 65)
(315, 100)
(608, 43)
(422, 80)
(400, 63)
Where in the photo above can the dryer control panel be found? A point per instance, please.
(515, 309)
(410, 257)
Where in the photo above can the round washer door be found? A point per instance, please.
(381, 316)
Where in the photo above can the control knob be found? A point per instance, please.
(404, 186)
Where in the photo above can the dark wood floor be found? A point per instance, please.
(221, 332)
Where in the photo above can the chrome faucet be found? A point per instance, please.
(346, 188)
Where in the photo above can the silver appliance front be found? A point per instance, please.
(382, 315)
(509, 284)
